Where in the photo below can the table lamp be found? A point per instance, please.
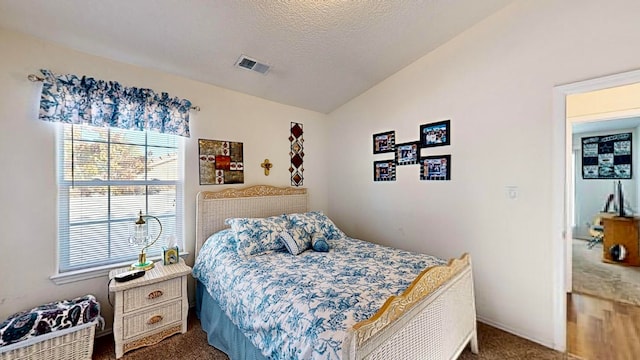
(140, 237)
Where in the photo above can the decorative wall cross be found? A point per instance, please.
(266, 165)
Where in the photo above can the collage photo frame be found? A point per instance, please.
(407, 153)
(437, 167)
(384, 142)
(384, 170)
(432, 167)
(435, 134)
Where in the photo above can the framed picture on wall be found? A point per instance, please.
(407, 153)
(435, 134)
(607, 156)
(435, 167)
(384, 142)
(221, 162)
(384, 170)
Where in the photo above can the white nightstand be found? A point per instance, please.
(150, 308)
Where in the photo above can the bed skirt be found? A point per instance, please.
(222, 333)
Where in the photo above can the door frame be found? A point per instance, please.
(562, 188)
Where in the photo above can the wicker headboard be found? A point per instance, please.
(213, 207)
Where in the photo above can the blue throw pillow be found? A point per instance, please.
(296, 240)
(319, 243)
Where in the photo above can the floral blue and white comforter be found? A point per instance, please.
(300, 307)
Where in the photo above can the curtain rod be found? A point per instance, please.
(36, 78)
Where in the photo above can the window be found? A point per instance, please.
(105, 177)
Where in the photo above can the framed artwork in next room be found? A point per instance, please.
(607, 156)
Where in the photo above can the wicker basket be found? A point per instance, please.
(75, 343)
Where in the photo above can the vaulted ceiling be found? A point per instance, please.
(322, 53)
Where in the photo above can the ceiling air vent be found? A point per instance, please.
(248, 63)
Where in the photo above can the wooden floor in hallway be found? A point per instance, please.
(599, 329)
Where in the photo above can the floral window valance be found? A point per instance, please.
(84, 100)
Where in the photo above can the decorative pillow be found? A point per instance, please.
(49, 317)
(296, 240)
(256, 236)
(319, 243)
(316, 222)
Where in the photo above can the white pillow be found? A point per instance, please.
(258, 235)
(316, 222)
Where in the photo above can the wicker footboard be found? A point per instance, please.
(434, 318)
(75, 343)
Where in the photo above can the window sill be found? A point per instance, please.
(95, 272)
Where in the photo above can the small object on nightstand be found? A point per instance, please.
(171, 251)
(170, 255)
(140, 236)
(129, 275)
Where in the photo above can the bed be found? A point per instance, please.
(421, 308)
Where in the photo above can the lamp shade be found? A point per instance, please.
(139, 232)
(140, 237)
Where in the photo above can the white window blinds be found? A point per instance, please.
(105, 177)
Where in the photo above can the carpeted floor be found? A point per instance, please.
(607, 281)
(494, 345)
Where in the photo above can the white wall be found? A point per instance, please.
(591, 194)
(610, 103)
(495, 83)
(27, 159)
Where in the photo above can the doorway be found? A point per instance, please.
(563, 187)
(594, 187)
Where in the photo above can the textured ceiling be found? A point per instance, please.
(322, 53)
